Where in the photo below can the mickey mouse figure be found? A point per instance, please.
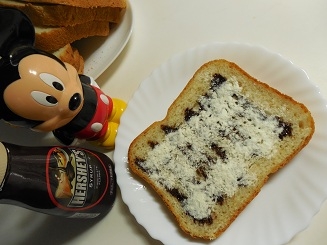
(41, 92)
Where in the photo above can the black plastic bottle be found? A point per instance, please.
(63, 181)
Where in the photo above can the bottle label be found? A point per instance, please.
(77, 179)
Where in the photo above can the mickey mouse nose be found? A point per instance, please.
(75, 101)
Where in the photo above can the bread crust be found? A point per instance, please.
(261, 94)
(64, 15)
(51, 39)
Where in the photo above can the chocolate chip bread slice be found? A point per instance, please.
(219, 142)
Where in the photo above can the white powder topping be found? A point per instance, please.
(209, 156)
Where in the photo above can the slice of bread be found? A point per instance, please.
(64, 15)
(71, 55)
(59, 23)
(221, 139)
(83, 3)
(53, 38)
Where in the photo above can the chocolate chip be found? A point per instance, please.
(138, 162)
(219, 199)
(189, 113)
(207, 220)
(219, 151)
(201, 172)
(287, 128)
(216, 81)
(168, 129)
(152, 144)
(177, 194)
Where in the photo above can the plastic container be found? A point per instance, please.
(63, 181)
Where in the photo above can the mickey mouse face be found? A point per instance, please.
(46, 91)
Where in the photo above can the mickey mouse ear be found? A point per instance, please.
(15, 30)
(18, 53)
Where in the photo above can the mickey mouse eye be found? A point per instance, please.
(52, 81)
(44, 99)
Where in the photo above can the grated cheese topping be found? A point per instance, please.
(187, 160)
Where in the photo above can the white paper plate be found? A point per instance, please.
(100, 52)
(287, 202)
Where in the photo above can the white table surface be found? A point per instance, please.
(295, 29)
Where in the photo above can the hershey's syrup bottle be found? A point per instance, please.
(63, 181)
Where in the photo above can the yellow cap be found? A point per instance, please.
(3, 162)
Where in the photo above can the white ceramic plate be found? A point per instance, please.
(287, 202)
(100, 52)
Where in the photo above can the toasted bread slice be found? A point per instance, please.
(71, 55)
(221, 139)
(64, 15)
(52, 39)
